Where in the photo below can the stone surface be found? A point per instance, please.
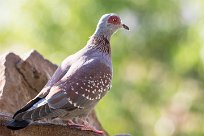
(20, 80)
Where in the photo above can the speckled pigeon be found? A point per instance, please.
(79, 82)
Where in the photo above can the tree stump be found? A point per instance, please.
(20, 80)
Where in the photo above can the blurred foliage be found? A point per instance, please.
(158, 79)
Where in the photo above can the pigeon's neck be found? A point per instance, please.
(100, 42)
(103, 32)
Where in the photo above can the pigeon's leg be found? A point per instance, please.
(82, 124)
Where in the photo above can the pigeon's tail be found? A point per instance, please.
(16, 124)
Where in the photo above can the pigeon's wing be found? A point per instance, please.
(59, 73)
(79, 89)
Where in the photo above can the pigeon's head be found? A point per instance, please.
(110, 23)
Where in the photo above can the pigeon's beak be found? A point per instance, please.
(125, 27)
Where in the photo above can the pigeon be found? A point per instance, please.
(78, 84)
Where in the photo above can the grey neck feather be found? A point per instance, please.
(103, 29)
(102, 32)
(100, 41)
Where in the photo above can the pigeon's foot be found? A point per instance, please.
(84, 126)
(90, 128)
(73, 124)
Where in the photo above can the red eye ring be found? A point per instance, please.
(114, 20)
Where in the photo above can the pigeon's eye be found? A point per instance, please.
(114, 20)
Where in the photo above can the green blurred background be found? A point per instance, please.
(158, 78)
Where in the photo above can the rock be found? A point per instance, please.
(20, 80)
(36, 70)
(14, 90)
